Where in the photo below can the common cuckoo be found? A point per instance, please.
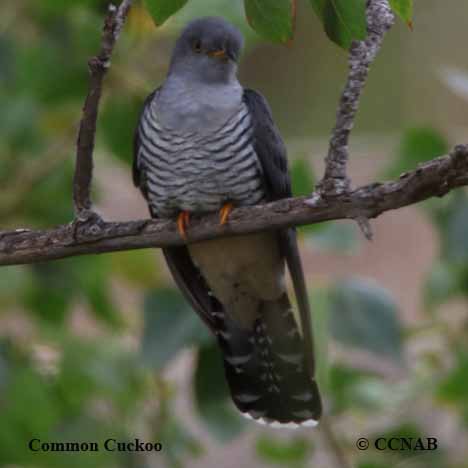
(204, 143)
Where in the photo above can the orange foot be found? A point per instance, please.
(225, 212)
(183, 222)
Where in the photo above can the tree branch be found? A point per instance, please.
(93, 236)
(380, 19)
(89, 234)
(98, 67)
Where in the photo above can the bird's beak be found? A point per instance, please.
(220, 54)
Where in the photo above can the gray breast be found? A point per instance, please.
(199, 172)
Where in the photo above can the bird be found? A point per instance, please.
(204, 143)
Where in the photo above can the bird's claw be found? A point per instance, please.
(183, 222)
(225, 212)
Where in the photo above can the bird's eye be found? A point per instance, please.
(197, 46)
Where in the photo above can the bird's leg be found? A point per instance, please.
(183, 222)
(225, 212)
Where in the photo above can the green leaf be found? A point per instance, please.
(344, 21)
(293, 452)
(170, 324)
(364, 315)
(303, 181)
(213, 398)
(273, 19)
(302, 177)
(417, 146)
(161, 10)
(404, 9)
(115, 126)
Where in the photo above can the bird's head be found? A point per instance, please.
(208, 50)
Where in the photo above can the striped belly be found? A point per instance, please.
(199, 173)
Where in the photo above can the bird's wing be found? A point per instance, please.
(271, 152)
(269, 147)
(186, 275)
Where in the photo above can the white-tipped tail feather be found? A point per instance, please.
(278, 425)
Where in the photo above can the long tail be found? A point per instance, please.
(266, 367)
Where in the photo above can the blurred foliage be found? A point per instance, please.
(303, 177)
(452, 389)
(67, 402)
(339, 236)
(169, 324)
(418, 145)
(88, 345)
(293, 453)
(449, 278)
(212, 395)
(416, 459)
(363, 315)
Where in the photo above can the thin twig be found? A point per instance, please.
(361, 55)
(333, 443)
(98, 67)
(93, 236)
